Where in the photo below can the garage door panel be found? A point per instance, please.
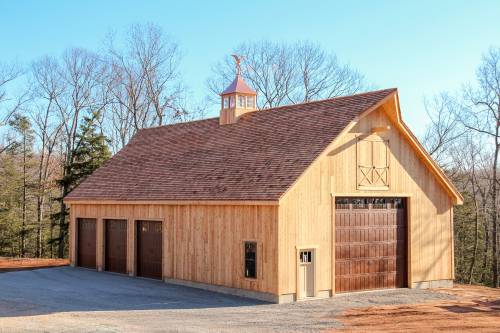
(371, 244)
(367, 266)
(149, 249)
(86, 242)
(116, 246)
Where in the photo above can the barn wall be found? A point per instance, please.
(202, 243)
(305, 212)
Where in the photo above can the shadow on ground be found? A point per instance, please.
(478, 306)
(65, 289)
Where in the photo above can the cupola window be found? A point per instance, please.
(250, 102)
(241, 101)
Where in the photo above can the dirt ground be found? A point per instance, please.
(476, 309)
(17, 264)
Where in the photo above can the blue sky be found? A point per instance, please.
(420, 47)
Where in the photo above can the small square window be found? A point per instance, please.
(305, 256)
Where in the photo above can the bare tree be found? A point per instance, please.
(468, 156)
(8, 73)
(288, 73)
(46, 88)
(321, 75)
(159, 58)
(128, 89)
(9, 105)
(145, 82)
(444, 128)
(482, 116)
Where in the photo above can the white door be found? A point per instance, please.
(306, 273)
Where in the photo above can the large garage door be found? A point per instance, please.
(116, 246)
(370, 244)
(149, 249)
(86, 243)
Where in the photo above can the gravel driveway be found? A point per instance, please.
(69, 299)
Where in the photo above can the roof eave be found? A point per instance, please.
(223, 202)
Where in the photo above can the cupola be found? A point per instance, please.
(237, 99)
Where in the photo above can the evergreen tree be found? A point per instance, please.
(91, 151)
(10, 201)
(23, 147)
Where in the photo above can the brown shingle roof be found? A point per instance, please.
(257, 158)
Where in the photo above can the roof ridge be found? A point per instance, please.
(331, 99)
(280, 107)
(179, 123)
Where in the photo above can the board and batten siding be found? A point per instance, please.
(306, 211)
(201, 243)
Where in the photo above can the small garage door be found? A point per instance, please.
(86, 243)
(149, 249)
(370, 248)
(116, 246)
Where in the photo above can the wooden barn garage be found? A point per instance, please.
(294, 202)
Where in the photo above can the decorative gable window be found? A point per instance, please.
(372, 163)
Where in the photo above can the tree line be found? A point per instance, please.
(61, 117)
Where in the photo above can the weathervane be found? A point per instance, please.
(238, 60)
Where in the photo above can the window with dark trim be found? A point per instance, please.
(251, 260)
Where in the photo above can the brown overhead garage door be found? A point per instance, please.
(86, 243)
(116, 246)
(370, 244)
(149, 249)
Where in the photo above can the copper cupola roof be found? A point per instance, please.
(238, 86)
